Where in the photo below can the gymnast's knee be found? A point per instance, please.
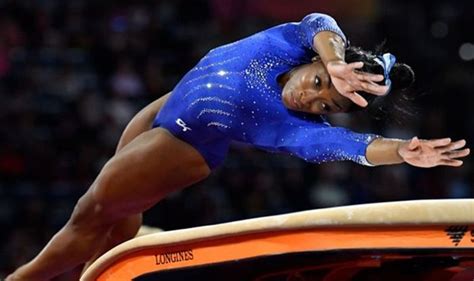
(92, 210)
(88, 215)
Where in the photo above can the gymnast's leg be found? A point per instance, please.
(128, 227)
(152, 165)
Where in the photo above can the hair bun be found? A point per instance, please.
(402, 76)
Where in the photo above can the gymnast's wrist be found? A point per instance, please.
(333, 67)
(400, 146)
(334, 61)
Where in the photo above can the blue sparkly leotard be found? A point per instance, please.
(233, 94)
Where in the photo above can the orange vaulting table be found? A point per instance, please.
(413, 240)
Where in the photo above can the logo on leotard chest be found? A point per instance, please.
(183, 125)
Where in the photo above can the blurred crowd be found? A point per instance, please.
(73, 73)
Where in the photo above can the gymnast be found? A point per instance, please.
(271, 90)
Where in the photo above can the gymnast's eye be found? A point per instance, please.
(317, 81)
(325, 107)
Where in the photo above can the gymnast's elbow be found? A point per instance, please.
(318, 16)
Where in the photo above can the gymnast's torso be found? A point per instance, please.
(233, 94)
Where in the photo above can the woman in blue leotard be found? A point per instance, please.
(271, 90)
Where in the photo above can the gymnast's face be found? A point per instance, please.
(309, 89)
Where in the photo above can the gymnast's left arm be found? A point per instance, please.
(417, 152)
(319, 142)
(325, 143)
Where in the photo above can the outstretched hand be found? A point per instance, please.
(347, 80)
(431, 153)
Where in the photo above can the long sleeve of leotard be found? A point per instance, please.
(322, 143)
(314, 23)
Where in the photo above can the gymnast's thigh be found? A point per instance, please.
(151, 166)
(141, 122)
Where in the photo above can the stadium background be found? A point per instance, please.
(72, 73)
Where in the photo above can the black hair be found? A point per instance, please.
(398, 102)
